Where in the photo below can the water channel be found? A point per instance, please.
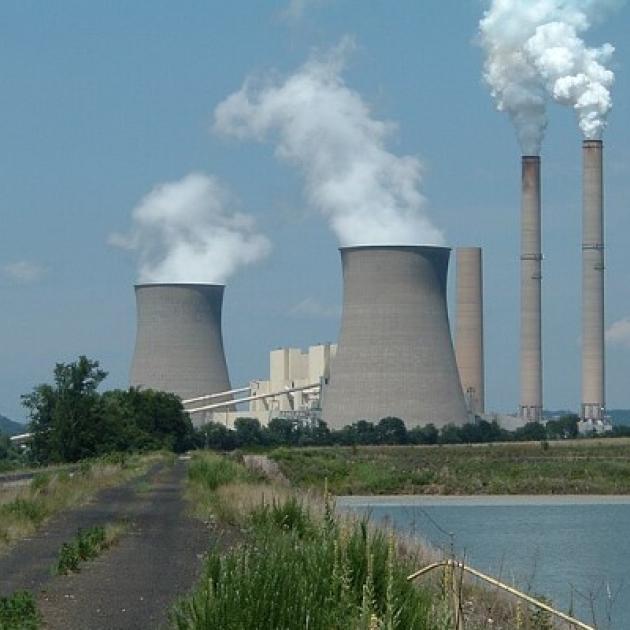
(574, 550)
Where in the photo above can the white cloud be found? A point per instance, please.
(310, 307)
(618, 334)
(23, 272)
(187, 231)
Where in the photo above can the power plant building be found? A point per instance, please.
(179, 342)
(290, 369)
(395, 354)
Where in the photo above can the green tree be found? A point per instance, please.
(70, 420)
(564, 427)
(315, 434)
(65, 418)
(248, 432)
(450, 434)
(145, 419)
(427, 434)
(283, 431)
(391, 430)
(217, 436)
(531, 432)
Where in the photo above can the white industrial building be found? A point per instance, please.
(291, 368)
(292, 389)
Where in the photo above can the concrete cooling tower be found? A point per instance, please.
(179, 344)
(395, 355)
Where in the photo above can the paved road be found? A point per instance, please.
(133, 584)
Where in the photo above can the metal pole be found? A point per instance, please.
(501, 585)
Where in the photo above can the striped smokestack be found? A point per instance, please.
(593, 374)
(469, 339)
(531, 277)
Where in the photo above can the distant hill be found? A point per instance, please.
(9, 427)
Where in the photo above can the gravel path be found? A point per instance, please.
(133, 584)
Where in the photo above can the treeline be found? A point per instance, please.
(249, 433)
(71, 420)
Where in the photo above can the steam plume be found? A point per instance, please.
(369, 195)
(184, 232)
(534, 51)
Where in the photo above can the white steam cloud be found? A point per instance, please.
(368, 194)
(534, 51)
(184, 232)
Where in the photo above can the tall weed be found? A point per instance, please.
(299, 572)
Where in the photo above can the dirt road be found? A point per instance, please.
(133, 584)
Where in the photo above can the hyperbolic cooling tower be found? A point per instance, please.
(593, 372)
(531, 279)
(395, 356)
(179, 345)
(469, 329)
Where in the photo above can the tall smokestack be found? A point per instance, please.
(395, 356)
(593, 369)
(179, 343)
(469, 334)
(531, 276)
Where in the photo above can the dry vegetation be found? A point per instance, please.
(23, 509)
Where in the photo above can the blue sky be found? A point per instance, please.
(101, 101)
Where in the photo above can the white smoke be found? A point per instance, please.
(184, 232)
(534, 50)
(369, 195)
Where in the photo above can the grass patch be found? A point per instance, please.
(212, 471)
(566, 467)
(19, 612)
(23, 510)
(299, 565)
(217, 487)
(301, 571)
(88, 544)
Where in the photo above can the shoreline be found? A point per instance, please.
(498, 500)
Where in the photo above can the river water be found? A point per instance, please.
(574, 550)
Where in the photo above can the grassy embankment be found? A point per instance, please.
(295, 564)
(597, 466)
(25, 508)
